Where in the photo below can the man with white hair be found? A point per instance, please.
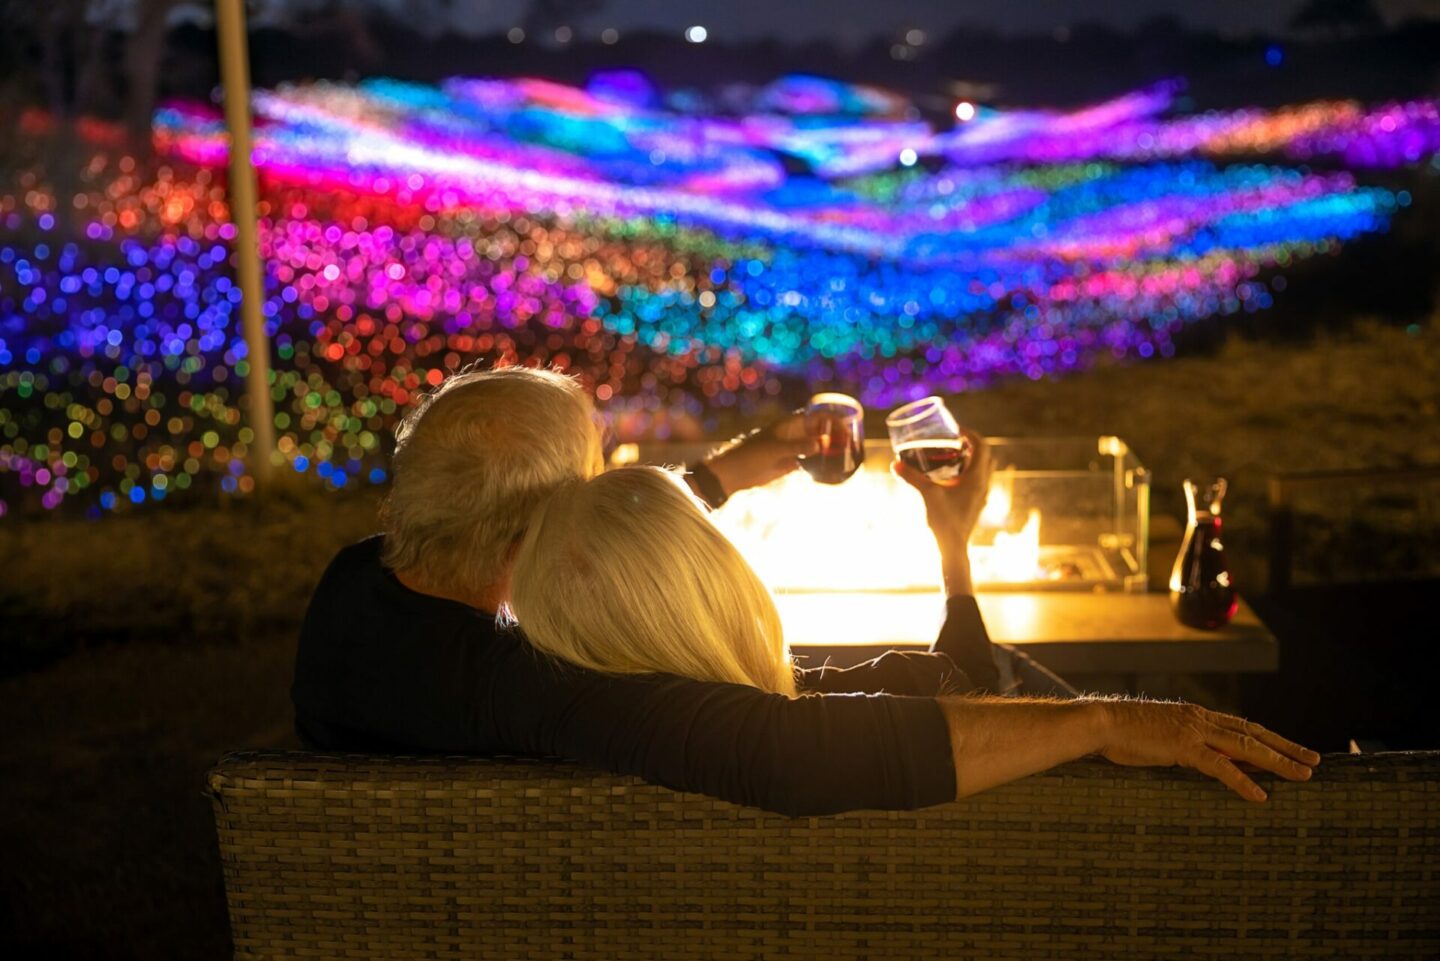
(403, 648)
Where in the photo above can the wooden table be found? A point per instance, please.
(1072, 634)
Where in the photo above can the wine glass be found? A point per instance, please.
(926, 437)
(837, 421)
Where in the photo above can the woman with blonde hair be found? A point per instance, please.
(625, 574)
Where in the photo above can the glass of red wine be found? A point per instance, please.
(837, 421)
(926, 437)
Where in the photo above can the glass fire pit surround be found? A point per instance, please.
(1063, 514)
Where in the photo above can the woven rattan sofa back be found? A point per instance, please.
(386, 858)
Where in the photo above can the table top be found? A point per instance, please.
(1067, 632)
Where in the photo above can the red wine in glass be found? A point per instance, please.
(925, 436)
(943, 459)
(838, 423)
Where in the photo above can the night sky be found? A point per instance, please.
(853, 21)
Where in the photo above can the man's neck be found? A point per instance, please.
(487, 598)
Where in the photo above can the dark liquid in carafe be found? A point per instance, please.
(1201, 592)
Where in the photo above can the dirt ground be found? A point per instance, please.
(139, 649)
(109, 847)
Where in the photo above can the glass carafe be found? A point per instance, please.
(1202, 593)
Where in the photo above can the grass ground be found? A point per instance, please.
(138, 649)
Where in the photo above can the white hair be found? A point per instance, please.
(472, 460)
(625, 574)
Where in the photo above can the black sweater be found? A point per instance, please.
(382, 668)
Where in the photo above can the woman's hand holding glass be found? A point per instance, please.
(925, 436)
(953, 509)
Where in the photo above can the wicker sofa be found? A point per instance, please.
(387, 858)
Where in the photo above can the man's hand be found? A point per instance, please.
(996, 740)
(952, 510)
(1159, 734)
(762, 456)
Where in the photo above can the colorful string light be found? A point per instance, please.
(680, 263)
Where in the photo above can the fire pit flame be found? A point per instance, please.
(1012, 557)
(998, 499)
(869, 534)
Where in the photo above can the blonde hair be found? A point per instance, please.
(625, 574)
(472, 460)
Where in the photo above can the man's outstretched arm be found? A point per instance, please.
(830, 753)
(996, 740)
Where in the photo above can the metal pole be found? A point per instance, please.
(235, 80)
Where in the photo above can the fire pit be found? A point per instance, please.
(1068, 514)
(855, 562)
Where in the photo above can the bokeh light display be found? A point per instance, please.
(687, 262)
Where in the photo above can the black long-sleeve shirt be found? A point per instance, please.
(382, 668)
